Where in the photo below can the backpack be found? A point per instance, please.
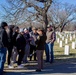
(1, 34)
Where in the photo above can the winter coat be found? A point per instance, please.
(40, 42)
(14, 36)
(4, 37)
(20, 42)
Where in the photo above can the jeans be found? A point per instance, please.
(27, 53)
(49, 52)
(2, 58)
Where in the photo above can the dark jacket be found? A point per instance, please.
(4, 38)
(40, 42)
(10, 41)
(27, 37)
(14, 36)
(20, 42)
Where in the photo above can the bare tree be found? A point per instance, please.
(21, 10)
(61, 14)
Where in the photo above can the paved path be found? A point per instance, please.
(51, 69)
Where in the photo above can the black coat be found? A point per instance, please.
(4, 38)
(40, 42)
(14, 36)
(20, 42)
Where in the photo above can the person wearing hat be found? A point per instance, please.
(33, 35)
(27, 46)
(51, 37)
(40, 47)
(3, 45)
(20, 44)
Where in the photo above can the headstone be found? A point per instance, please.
(74, 36)
(67, 35)
(73, 45)
(66, 50)
(57, 40)
(70, 38)
(60, 44)
(66, 41)
(62, 38)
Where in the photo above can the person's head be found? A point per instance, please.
(11, 27)
(34, 30)
(4, 25)
(49, 28)
(16, 29)
(40, 31)
(21, 31)
(26, 30)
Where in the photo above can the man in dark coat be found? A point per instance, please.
(4, 27)
(20, 43)
(3, 45)
(40, 47)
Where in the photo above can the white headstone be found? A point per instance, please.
(60, 44)
(67, 35)
(66, 50)
(62, 38)
(73, 45)
(70, 38)
(74, 36)
(66, 41)
(57, 40)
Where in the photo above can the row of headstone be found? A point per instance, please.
(70, 36)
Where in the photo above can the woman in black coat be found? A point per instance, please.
(20, 43)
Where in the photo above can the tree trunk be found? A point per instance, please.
(45, 19)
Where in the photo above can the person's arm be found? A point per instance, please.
(53, 37)
(38, 40)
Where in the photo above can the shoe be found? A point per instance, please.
(35, 60)
(20, 66)
(9, 66)
(51, 62)
(46, 61)
(38, 70)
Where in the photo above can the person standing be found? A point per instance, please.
(40, 47)
(14, 36)
(3, 45)
(10, 46)
(27, 46)
(20, 44)
(33, 35)
(51, 37)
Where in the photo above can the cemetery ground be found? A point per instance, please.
(63, 64)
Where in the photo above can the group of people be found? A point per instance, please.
(24, 43)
